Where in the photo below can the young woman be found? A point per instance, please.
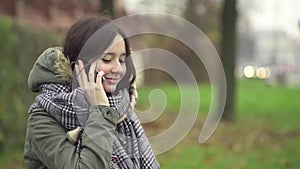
(83, 115)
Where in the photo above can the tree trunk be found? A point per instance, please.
(228, 55)
(107, 7)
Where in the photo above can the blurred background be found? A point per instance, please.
(258, 43)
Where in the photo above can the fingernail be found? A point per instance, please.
(101, 73)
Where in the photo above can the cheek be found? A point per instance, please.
(124, 70)
(103, 67)
(106, 68)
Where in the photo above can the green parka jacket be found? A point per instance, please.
(47, 145)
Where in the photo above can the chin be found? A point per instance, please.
(110, 88)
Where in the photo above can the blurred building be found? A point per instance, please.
(57, 15)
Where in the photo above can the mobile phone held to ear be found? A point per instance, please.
(95, 74)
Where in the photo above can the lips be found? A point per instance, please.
(112, 80)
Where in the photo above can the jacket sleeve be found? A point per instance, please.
(51, 146)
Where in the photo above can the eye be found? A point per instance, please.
(107, 58)
(122, 59)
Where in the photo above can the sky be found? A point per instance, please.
(136, 6)
(264, 15)
(282, 15)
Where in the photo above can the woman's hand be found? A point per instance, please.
(94, 91)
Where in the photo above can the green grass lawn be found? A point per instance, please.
(266, 133)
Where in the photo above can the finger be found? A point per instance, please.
(92, 72)
(99, 79)
(79, 79)
(79, 73)
(100, 93)
(82, 73)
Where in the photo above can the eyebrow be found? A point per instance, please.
(113, 54)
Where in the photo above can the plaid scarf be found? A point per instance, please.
(131, 149)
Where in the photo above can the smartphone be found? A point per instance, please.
(95, 74)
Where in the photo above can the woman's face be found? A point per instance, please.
(112, 63)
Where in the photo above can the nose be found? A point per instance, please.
(116, 67)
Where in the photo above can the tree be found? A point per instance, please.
(228, 32)
(107, 6)
(205, 15)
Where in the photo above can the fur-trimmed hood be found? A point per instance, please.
(50, 67)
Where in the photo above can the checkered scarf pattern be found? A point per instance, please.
(131, 148)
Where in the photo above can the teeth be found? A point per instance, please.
(103, 78)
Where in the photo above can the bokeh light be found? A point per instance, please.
(263, 73)
(249, 71)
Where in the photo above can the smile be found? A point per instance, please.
(112, 80)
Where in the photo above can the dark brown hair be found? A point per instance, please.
(88, 38)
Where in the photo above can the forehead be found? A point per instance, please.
(118, 43)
